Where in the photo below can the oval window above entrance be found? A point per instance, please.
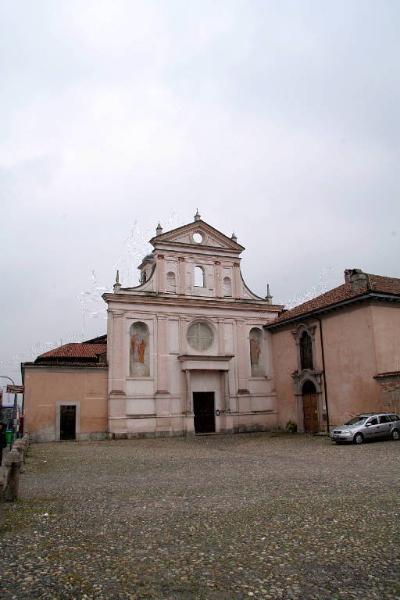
(200, 336)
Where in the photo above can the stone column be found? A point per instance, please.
(236, 283)
(183, 344)
(227, 406)
(243, 360)
(181, 275)
(117, 379)
(162, 355)
(117, 372)
(160, 273)
(221, 339)
(218, 279)
(189, 418)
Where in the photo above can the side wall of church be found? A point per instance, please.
(350, 362)
(359, 342)
(386, 325)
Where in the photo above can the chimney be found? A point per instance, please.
(357, 278)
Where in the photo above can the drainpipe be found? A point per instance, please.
(323, 368)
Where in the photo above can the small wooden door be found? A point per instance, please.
(204, 412)
(68, 422)
(310, 408)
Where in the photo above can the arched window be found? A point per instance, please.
(227, 285)
(306, 357)
(257, 369)
(143, 277)
(171, 282)
(199, 278)
(139, 358)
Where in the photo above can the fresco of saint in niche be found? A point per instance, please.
(255, 353)
(139, 351)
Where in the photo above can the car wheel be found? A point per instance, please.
(358, 438)
(395, 434)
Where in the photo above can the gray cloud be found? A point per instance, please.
(279, 120)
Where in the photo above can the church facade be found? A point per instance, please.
(193, 350)
(186, 348)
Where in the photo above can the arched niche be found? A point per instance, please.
(171, 282)
(304, 336)
(139, 357)
(227, 286)
(306, 351)
(256, 353)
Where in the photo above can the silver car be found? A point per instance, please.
(368, 426)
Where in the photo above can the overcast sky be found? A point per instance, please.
(279, 120)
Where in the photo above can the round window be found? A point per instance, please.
(197, 237)
(200, 336)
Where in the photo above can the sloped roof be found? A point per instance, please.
(76, 351)
(375, 284)
(88, 351)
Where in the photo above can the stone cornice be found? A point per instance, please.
(309, 315)
(190, 301)
(64, 367)
(205, 357)
(190, 250)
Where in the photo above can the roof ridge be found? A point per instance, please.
(348, 291)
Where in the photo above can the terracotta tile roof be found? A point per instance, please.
(389, 285)
(374, 284)
(76, 351)
(88, 351)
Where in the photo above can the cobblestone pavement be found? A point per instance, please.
(214, 517)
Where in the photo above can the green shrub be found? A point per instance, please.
(291, 427)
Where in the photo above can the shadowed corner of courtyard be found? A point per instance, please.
(213, 517)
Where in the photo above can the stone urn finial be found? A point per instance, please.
(268, 297)
(159, 229)
(117, 285)
(234, 237)
(197, 216)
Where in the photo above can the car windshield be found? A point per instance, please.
(356, 420)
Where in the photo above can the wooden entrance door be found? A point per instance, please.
(310, 408)
(68, 422)
(204, 412)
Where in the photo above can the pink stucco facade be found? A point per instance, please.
(49, 388)
(360, 340)
(193, 350)
(156, 366)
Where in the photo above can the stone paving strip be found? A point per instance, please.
(211, 517)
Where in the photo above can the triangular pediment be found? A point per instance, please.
(197, 234)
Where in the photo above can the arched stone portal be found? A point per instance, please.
(310, 407)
